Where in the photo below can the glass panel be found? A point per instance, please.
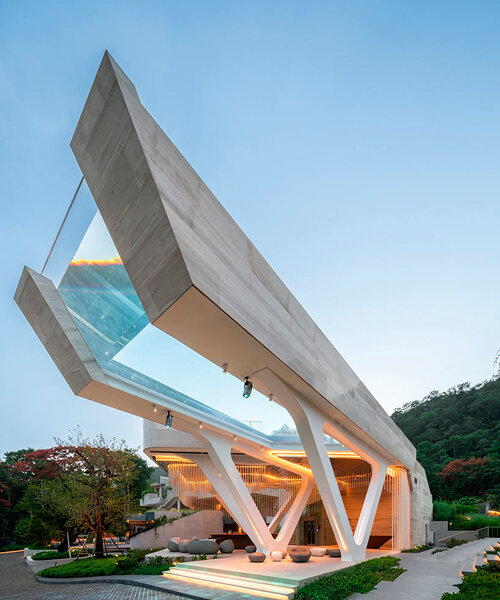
(78, 220)
(98, 292)
(102, 300)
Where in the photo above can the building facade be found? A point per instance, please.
(156, 250)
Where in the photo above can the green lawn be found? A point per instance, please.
(131, 564)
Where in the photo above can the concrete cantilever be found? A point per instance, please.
(198, 276)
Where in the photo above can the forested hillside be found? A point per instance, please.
(457, 436)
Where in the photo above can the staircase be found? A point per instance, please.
(259, 586)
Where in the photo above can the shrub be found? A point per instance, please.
(131, 564)
(474, 522)
(55, 555)
(444, 511)
(451, 543)
(87, 567)
(420, 548)
(483, 585)
(11, 547)
(360, 578)
(49, 555)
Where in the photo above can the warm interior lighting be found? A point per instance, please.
(171, 458)
(301, 453)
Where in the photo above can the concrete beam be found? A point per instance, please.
(198, 276)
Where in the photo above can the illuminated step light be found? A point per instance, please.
(243, 584)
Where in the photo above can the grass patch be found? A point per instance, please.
(131, 564)
(453, 542)
(483, 585)
(360, 578)
(11, 548)
(55, 555)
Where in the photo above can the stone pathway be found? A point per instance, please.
(427, 577)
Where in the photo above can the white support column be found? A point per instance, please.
(311, 423)
(219, 468)
(282, 511)
(292, 518)
(227, 481)
(370, 505)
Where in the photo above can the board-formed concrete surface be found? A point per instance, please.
(197, 274)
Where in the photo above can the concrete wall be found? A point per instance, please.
(420, 506)
(201, 524)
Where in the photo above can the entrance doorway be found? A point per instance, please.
(309, 532)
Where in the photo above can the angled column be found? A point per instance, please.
(311, 424)
(219, 468)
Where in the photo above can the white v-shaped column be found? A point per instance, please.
(219, 468)
(311, 424)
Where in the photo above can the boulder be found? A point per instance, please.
(300, 555)
(183, 545)
(256, 557)
(202, 546)
(226, 546)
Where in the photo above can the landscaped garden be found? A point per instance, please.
(360, 578)
(133, 563)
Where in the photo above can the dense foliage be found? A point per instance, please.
(457, 436)
(483, 585)
(75, 487)
(360, 578)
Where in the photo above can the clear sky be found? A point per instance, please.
(357, 144)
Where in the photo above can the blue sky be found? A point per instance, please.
(355, 142)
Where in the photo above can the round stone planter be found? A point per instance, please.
(256, 557)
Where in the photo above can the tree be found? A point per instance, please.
(470, 477)
(79, 483)
(98, 477)
(462, 423)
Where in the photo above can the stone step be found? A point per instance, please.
(199, 566)
(245, 583)
(469, 566)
